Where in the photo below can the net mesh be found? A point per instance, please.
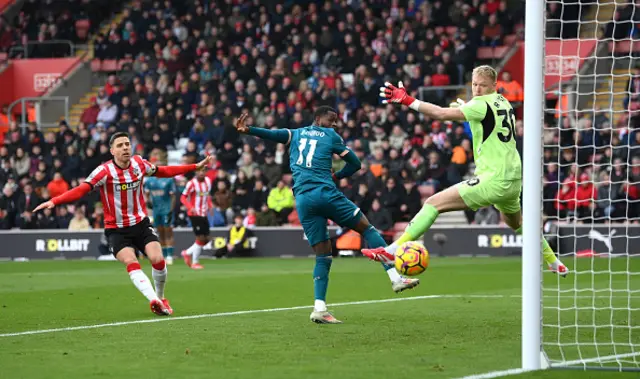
(591, 199)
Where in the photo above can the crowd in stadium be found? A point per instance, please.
(195, 66)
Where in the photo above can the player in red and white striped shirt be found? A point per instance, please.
(196, 197)
(127, 226)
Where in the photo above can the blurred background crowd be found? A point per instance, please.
(191, 67)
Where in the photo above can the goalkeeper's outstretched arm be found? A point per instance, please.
(393, 94)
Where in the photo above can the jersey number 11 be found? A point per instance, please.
(312, 149)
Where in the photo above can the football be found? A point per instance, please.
(412, 258)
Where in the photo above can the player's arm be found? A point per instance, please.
(97, 178)
(172, 193)
(184, 198)
(352, 163)
(393, 94)
(171, 171)
(280, 135)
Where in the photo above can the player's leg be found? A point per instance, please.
(315, 228)
(147, 240)
(123, 248)
(168, 230)
(513, 218)
(345, 213)
(200, 227)
(374, 239)
(448, 200)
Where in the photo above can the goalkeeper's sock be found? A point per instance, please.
(417, 227)
(164, 251)
(141, 281)
(321, 280)
(169, 251)
(548, 254)
(374, 239)
(159, 275)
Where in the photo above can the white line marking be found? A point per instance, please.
(496, 374)
(237, 313)
(605, 359)
(516, 371)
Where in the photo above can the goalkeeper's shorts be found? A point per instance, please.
(483, 191)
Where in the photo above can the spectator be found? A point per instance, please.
(223, 200)
(380, 217)
(411, 202)
(46, 220)
(266, 217)
(21, 163)
(9, 206)
(63, 218)
(79, 222)
(57, 186)
(238, 241)
(27, 201)
(511, 90)
(281, 201)
(486, 216)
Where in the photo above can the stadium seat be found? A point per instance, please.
(96, 65)
(123, 62)
(426, 190)
(109, 65)
(624, 46)
(510, 39)
(490, 53)
(82, 28)
(400, 226)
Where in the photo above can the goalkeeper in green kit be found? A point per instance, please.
(498, 175)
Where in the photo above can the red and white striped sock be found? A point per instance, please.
(159, 275)
(141, 281)
(195, 250)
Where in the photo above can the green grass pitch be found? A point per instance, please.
(466, 320)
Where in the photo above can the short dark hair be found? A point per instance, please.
(117, 135)
(323, 111)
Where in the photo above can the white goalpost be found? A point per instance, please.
(581, 183)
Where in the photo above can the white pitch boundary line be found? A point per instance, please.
(516, 371)
(496, 374)
(252, 311)
(237, 313)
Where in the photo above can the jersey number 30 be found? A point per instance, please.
(508, 122)
(312, 149)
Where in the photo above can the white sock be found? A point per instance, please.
(159, 279)
(393, 275)
(320, 306)
(392, 248)
(194, 251)
(143, 284)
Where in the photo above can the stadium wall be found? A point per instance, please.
(471, 241)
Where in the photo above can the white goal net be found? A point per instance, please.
(591, 185)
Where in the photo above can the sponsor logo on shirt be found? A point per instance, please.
(127, 186)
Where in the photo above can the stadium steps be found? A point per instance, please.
(104, 29)
(605, 100)
(452, 218)
(597, 17)
(76, 109)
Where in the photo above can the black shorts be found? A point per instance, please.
(200, 225)
(136, 237)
